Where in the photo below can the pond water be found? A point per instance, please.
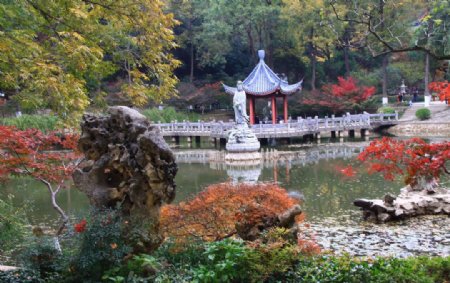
(311, 172)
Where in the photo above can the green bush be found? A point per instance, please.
(21, 276)
(42, 257)
(423, 114)
(266, 261)
(102, 246)
(347, 269)
(44, 123)
(169, 114)
(141, 267)
(386, 110)
(13, 225)
(225, 261)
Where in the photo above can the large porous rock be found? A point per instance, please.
(128, 166)
(410, 202)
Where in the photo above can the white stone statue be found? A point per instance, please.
(241, 138)
(240, 109)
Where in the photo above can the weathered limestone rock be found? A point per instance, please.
(250, 230)
(127, 163)
(409, 202)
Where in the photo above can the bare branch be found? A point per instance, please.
(371, 29)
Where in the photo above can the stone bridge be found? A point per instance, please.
(347, 125)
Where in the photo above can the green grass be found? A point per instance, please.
(168, 115)
(44, 123)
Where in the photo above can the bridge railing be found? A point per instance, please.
(383, 117)
(308, 125)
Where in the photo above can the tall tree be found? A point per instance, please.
(311, 30)
(187, 12)
(400, 26)
(230, 25)
(56, 54)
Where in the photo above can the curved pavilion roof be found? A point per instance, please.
(263, 81)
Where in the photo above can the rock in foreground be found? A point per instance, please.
(408, 203)
(128, 165)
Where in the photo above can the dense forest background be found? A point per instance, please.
(70, 55)
(379, 43)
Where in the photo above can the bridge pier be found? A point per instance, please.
(343, 134)
(308, 138)
(176, 139)
(351, 133)
(263, 141)
(365, 132)
(189, 139)
(317, 136)
(333, 134)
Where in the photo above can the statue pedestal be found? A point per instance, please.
(241, 139)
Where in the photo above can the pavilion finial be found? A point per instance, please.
(261, 54)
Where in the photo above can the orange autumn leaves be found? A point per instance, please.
(213, 213)
(442, 89)
(43, 156)
(414, 158)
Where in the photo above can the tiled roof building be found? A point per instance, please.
(263, 82)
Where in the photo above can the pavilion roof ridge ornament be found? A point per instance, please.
(262, 81)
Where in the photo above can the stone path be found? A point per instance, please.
(437, 126)
(438, 110)
(426, 235)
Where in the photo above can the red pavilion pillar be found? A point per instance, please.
(274, 109)
(252, 110)
(285, 108)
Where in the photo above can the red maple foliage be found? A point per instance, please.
(417, 160)
(80, 227)
(344, 96)
(49, 158)
(347, 171)
(442, 89)
(213, 213)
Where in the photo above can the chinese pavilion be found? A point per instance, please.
(264, 83)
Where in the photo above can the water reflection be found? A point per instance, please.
(247, 174)
(310, 172)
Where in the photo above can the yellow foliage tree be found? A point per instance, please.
(55, 54)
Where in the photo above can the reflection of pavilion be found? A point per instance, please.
(264, 83)
(249, 171)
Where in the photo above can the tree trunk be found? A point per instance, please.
(346, 61)
(251, 42)
(427, 73)
(313, 72)
(313, 59)
(384, 72)
(53, 193)
(191, 53)
(385, 58)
